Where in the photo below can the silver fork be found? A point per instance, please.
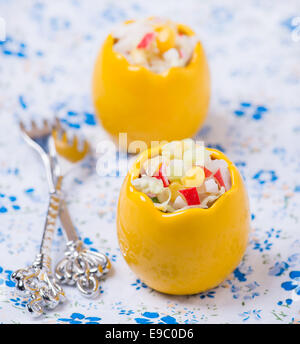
(80, 266)
(36, 281)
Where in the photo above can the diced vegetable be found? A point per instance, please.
(191, 196)
(211, 186)
(226, 177)
(179, 203)
(214, 165)
(172, 57)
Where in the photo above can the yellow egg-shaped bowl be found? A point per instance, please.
(146, 105)
(187, 251)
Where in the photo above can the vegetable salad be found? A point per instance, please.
(154, 43)
(184, 175)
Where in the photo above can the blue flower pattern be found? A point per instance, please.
(139, 284)
(78, 318)
(155, 318)
(294, 283)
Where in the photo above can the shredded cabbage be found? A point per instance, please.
(148, 185)
(164, 198)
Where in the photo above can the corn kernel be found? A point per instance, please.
(174, 188)
(165, 37)
(194, 177)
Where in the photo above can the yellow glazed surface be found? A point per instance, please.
(188, 251)
(69, 152)
(146, 105)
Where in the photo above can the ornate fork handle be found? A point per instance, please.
(80, 266)
(36, 281)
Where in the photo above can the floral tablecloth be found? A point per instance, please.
(46, 65)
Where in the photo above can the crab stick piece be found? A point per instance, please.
(191, 196)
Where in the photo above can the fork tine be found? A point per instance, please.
(58, 124)
(64, 136)
(57, 132)
(22, 126)
(61, 133)
(46, 124)
(71, 147)
(33, 124)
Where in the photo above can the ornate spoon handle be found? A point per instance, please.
(80, 265)
(36, 281)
